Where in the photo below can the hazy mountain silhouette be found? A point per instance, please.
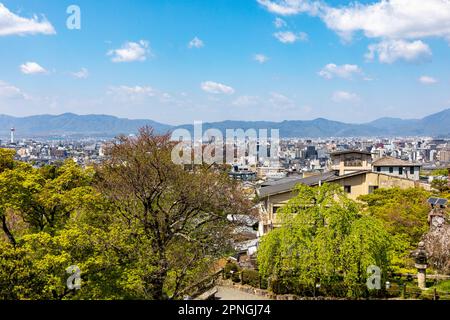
(70, 124)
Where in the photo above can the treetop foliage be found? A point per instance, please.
(324, 239)
(137, 226)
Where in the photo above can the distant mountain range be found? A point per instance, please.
(70, 124)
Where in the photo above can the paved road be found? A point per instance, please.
(225, 293)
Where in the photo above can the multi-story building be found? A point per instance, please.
(444, 155)
(397, 167)
(354, 171)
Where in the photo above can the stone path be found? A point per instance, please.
(225, 293)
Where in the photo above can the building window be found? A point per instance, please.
(353, 163)
(378, 169)
(348, 189)
(411, 170)
(400, 170)
(372, 189)
(391, 169)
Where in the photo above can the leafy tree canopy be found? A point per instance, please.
(324, 238)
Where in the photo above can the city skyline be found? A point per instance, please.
(226, 60)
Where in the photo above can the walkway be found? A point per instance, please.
(225, 293)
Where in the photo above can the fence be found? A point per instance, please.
(202, 286)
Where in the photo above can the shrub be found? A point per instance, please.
(250, 277)
(230, 266)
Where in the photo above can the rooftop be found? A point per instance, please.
(338, 153)
(391, 161)
(288, 184)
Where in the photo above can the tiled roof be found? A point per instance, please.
(288, 184)
(394, 162)
(338, 153)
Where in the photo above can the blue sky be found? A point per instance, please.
(183, 60)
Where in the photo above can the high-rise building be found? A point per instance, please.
(311, 153)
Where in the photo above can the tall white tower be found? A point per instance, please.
(12, 134)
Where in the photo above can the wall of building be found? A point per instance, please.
(360, 185)
(349, 163)
(406, 172)
(278, 200)
(444, 156)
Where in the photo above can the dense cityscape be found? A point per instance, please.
(285, 154)
(296, 156)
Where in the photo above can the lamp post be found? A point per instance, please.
(421, 263)
(316, 288)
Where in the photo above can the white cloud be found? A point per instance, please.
(12, 24)
(427, 80)
(384, 19)
(133, 91)
(9, 91)
(279, 23)
(216, 88)
(394, 22)
(196, 43)
(344, 96)
(290, 37)
(346, 71)
(143, 94)
(32, 68)
(392, 19)
(260, 58)
(131, 51)
(82, 74)
(389, 51)
(244, 101)
(281, 101)
(290, 7)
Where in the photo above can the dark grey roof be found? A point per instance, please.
(288, 184)
(338, 153)
(281, 180)
(352, 174)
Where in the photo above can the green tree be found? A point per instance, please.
(138, 226)
(439, 172)
(18, 183)
(175, 219)
(45, 198)
(320, 229)
(404, 213)
(61, 192)
(440, 185)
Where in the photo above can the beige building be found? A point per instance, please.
(396, 167)
(351, 161)
(444, 155)
(353, 170)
